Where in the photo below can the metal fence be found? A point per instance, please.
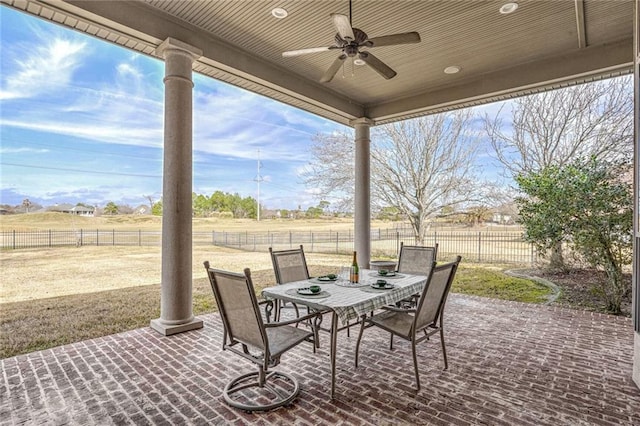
(484, 246)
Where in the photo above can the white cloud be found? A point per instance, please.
(23, 151)
(47, 68)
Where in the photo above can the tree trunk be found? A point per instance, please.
(557, 260)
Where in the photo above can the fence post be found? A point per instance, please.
(113, 237)
(81, 237)
(139, 237)
(49, 237)
(14, 239)
(213, 238)
(532, 256)
(312, 241)
(397, 242)
(479, 237)
(254, 242)
(290, 246)
(337, 239)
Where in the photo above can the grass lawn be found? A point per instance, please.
(44, 323)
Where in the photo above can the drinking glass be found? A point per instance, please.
(344, 274)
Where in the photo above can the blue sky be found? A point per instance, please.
(81, 121)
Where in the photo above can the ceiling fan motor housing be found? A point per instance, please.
(360, 38)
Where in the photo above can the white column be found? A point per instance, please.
(636, 219)
(362, 201)
(176, 304)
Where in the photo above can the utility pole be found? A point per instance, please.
(258, 179)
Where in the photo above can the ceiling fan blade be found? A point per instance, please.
(305, 51)
(377, 65)
(393, 39)
(343, 26)
(333, 69)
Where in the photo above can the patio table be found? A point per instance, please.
(347, 301)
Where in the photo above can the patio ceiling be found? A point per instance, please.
(543, 44)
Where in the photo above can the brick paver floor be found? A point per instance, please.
(509, 364)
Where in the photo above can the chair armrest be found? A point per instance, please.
(397, 309)
(292, 321)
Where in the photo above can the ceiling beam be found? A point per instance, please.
(580, 65)
(580, 23)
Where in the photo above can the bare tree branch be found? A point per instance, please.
(557, 127)
(418, 166)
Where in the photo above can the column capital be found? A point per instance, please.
(362, 120)
(176, 46)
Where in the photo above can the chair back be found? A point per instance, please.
(416, 260)
(434, 295)
(289, 265)
(238, 306)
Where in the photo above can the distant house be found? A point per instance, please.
(506, 214)
(142, 209)
(75, 210)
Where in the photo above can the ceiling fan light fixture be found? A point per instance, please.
(453, 69)
(279, 13)
(358, 61)
(508, 8)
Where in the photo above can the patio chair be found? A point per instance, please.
(288, 266)
(416, 260)
(416, 325)
(259, 342)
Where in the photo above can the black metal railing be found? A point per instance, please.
(483, 247)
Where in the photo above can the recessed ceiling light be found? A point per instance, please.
(279, 13)
(359, 61)
(508, 8)
(452, 69)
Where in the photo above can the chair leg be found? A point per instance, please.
(444, 351)
(415, 363)
(391, 341)
(276, 314)
(358, 341)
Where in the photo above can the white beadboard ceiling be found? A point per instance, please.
(543, 44)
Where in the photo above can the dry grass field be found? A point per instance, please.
(43, 221)
(29, 274)
(52, 272)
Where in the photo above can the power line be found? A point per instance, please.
(30, 166)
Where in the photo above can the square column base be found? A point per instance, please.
(169, 329)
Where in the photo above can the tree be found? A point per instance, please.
(150, 199)
(26, 204)
(418, 166)
(558, 127)
(588, 206)
(156, 210)
(111, 208)
(478, 215)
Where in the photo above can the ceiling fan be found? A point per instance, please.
(350, 41)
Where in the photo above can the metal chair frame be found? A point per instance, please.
(431, 252)
(423, 319)
(249, 338)
(276, 255)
